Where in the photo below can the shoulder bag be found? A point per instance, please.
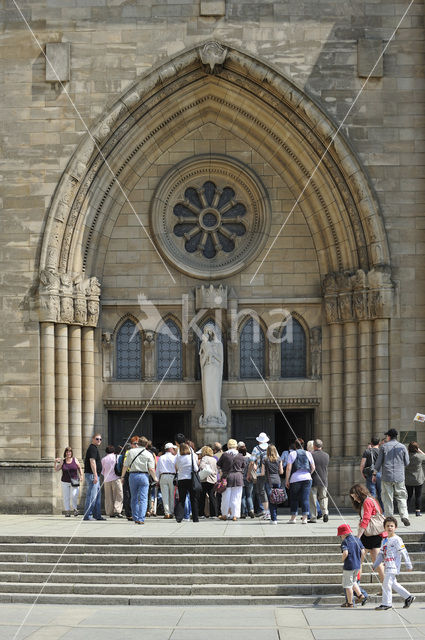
(196, 482)
(205, 472)
(376, 522)
(277, 495)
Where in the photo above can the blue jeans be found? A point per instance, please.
(187, 507)
(92, 506)
(247, 503)
(139, 489)
(375, 488)
(299, 493)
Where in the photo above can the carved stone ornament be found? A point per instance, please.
(316, 352)
(68, 299)
(212, 54)
(358, 296)
(210, 216)
(211, 297)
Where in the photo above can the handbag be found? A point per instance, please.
(196, 482)
(252, 476)
(221, 485)
(205, 472)
(376, 523)
(75, 482)
(278, 495)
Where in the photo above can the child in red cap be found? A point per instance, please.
(353, 553)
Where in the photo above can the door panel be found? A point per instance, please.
(122, 423)
(248, 424)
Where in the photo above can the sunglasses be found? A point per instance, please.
(98, 438)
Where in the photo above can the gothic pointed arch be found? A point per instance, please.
(258, 104)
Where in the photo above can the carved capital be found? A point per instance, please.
(67, 298)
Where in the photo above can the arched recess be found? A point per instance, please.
(255, 102)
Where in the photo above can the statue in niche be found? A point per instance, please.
(92, 312)
(316, 352)
(211, 359)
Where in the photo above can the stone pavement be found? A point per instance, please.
(51, 622)
(320, 622)
(58, 525)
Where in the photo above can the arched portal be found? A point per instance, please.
(230, 90)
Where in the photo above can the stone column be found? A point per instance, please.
(88, 385)
(350, 389)
(336, 379)
(61, 378)
(47, 347)
(381, 375)
(74, 372)
(366, 427)
(323, 431)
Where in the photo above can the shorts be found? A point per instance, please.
(349, 578)
(371, 542)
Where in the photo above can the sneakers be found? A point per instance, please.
(273, 521)
(312, 521)
(406, 522)
(76, 512)
(325, 517)
(383, 607)
(418, 513)
(265, 516)
(186, 519)
(362, 600)
(408, 602)
(67, 514)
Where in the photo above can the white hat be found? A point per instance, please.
(169, 445)
(198, 452)
(262, 437)
(241, 444)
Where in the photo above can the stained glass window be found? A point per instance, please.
(252, 350)
(169, 350)
(129, 352)
(293, 360)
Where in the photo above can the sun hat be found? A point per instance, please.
(169, 445)
(262, 437)
(343, 529)
(232, 444)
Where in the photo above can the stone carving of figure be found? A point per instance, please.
(49, 295)
(93, 288)
(80, 310)
(359, 283)
(107, 354)
(149, 355)
(211, 359)
(381, 292)
(316, 352)
(92, 312)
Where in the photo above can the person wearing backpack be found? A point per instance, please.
(258, 456)
(299, 468)
(367, 466)
(112, 484)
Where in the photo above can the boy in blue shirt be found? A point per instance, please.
(353, 553)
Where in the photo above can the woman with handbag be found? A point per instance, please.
(72, 476)
(232, 465)
(208, 476)
(272, 468)
(186, 463)
(371, 525)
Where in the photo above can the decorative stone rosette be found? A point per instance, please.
(68, 299)
(210, 216)
(360, 295)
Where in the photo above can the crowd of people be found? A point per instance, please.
(229, 483)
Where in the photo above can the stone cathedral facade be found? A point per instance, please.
(253, 165)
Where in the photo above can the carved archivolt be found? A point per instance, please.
(359, 295)
(239, 92)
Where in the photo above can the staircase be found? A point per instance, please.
(195, 571)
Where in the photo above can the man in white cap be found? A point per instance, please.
(258, 456)
(165, 471)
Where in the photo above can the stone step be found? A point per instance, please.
(277, 569)
(193, 541)
(219, 590)
(182, 600)
(190, 578)
(178, 559)
(254, 549)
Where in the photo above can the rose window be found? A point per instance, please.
(210, 220)
(210, 216)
